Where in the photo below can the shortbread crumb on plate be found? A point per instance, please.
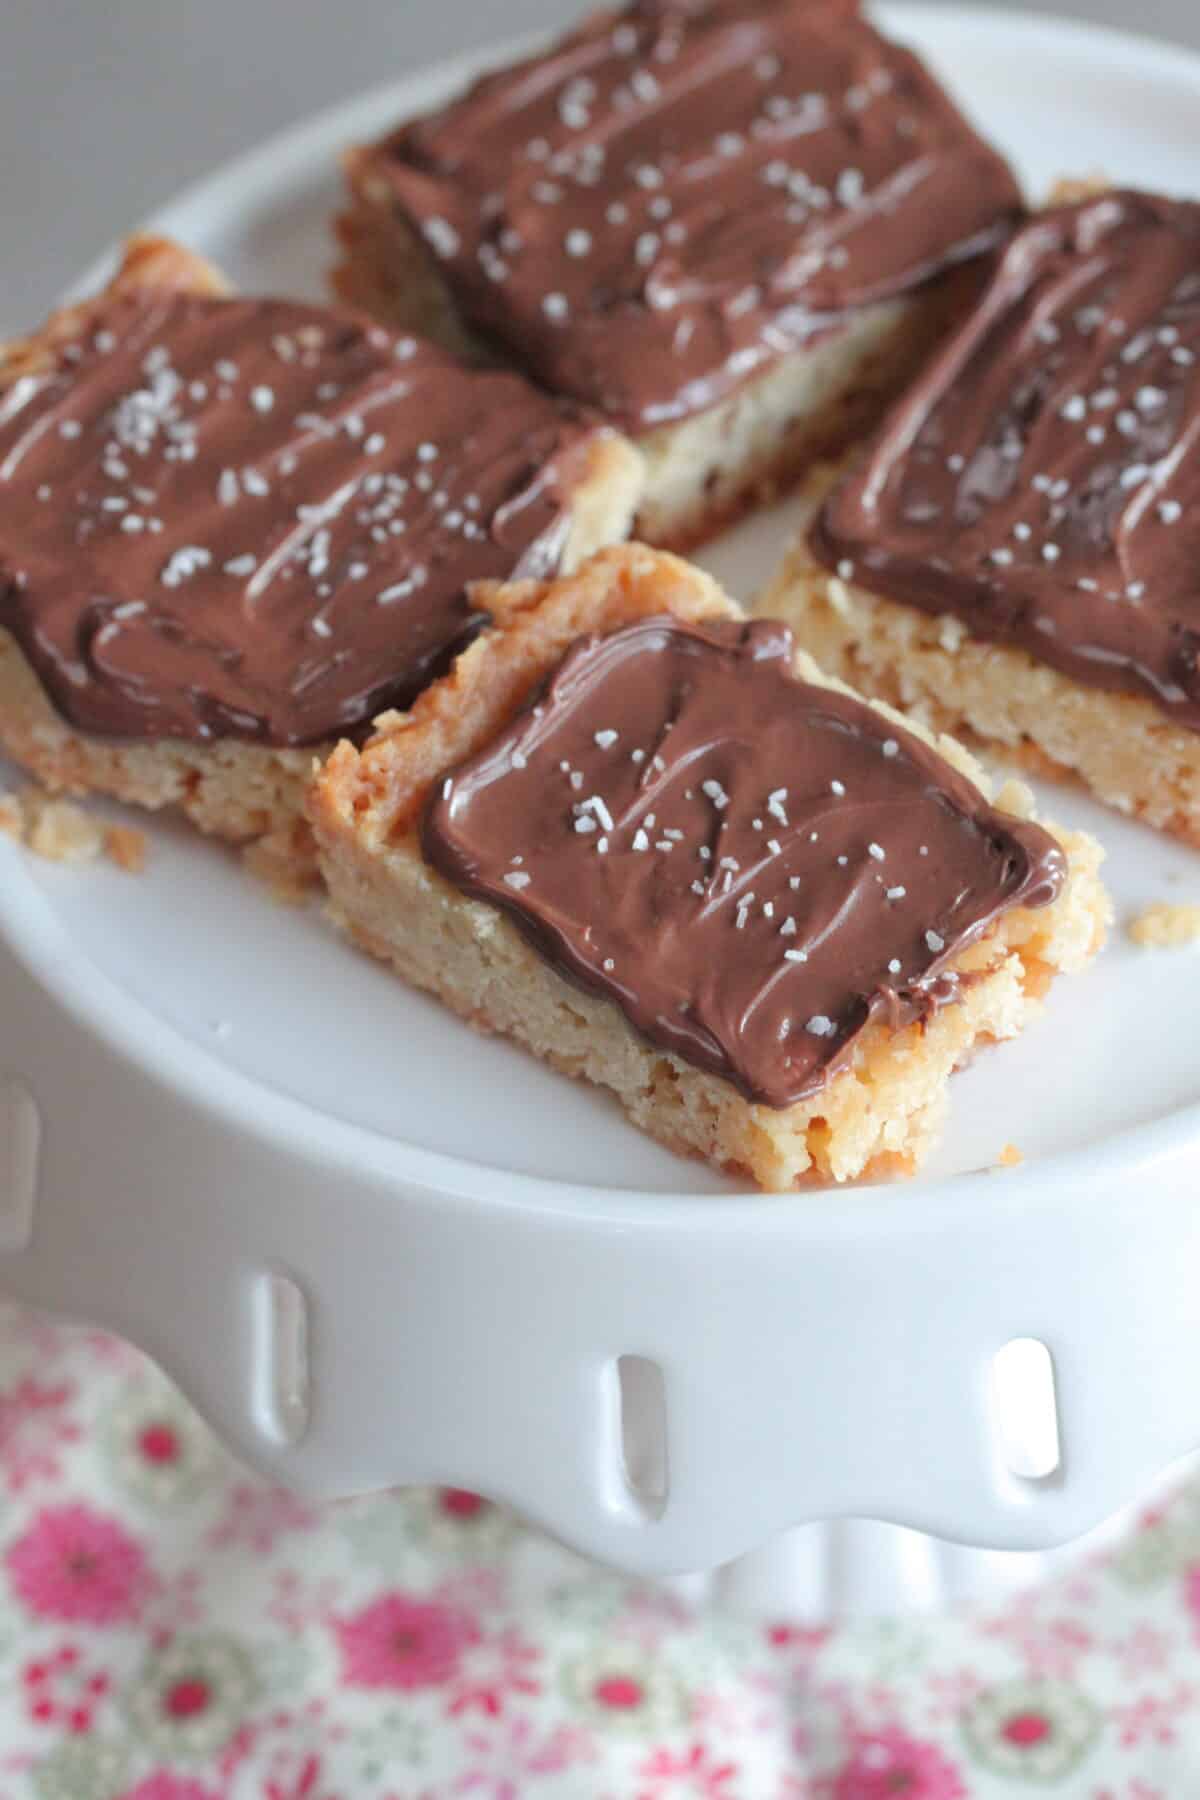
(1165, 925)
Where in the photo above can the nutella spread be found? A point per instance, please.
(1041, 480)
(675, 195)
(750, 866)
(254, 519)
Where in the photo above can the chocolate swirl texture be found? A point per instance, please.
(750, 866)
(1041, 480)
(676, 195)
(256, 519)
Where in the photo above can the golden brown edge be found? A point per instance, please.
(147, 261)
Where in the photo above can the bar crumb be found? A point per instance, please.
(127, 847)
(59, 830)
(1165, 926)
(1010, 1157)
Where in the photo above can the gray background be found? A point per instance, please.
(108, 106)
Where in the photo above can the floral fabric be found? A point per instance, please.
(172, 1628)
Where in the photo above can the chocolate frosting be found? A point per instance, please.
(750, 866)
(256, 519)
(1041, 480)
(675, 195)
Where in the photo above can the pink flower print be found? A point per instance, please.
(102, 1349)
(1145, 1651)
(493, 1670)
(1191, 1594)
(400, 1642)
(798, 1640)
(692, 1773)
(889, 1765)
(460, 1503)
(179, 1605)
(295, 1604)
(301, 1783)
(162, 1785)
(257, 1515)
(80, 1566)
(192, 1695)
(62, 1690)
(1153, 1717)
(622, 1688)
(1034, 1730)
(1051, 1647)
(950, 1690)
(651, 1613)
(498, 1761)
(731, 1711)
(477, 1589)
(158, 1450)
(34, 1428)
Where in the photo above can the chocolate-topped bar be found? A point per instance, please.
(1039, 485)
(1041, 481)
(257, 519)
(675, 199)
(233, 520)
(649, 840)
(750, 866)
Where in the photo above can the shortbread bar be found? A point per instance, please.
(232, 530)
(648, 840)
(734, 227)
(1015, 554)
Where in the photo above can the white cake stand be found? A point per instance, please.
(375, 1249)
